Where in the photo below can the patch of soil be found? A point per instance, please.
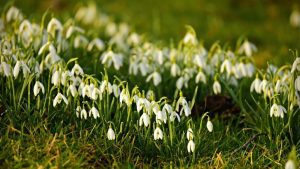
(217, 105)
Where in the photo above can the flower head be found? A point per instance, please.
(111, 134)
(58, 98)
(191, 146)
(38, 86)
(158, 134)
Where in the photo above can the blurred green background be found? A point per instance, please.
(264, 22)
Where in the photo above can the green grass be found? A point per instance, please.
(30, 138)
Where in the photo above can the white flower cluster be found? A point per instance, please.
(39, 54)
(279, 86)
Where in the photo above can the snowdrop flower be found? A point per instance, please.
(72, 89)
(111, 57)
(161, 116)
(290, 164)
(209, 126)
(94, 112)
(96, 43)
(86, 91)
(255, 85)
(58, 98)
(185, 106)
(56, 78)
(248, 48)
(277, 110)
(83, 114)
(296, 65)
(179, 82)
(144, 120)
(38, 86)
(189, 134)
(125, 97)
(13, 14)
(116, 90)
(190, 38)
(295, 19)
(263, 86)
(6, 69)
(17, 68)
(111, 134)
(242, 69)
(53, 26)
(200, 77)
(158, 134)
(78, 110)
(156, 78)
(175, 70)
(77, 70)
(250, 69)
(217, 87)
(297, 83)
(95, 93)
(73, 29)
(191, 146)
(143, 103)
(25, 30)
(80, 41)
(168, 108)
(226, 66)
(133, 39)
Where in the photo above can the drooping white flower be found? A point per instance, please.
(290, 164)
(191, 146)
(248, 48)
(110, 57)
(78, 110)
(190, 38)
(156, 78)
(200, 77)
(175, 70)
(277, 110)
(17, 69)
(77, 70)
(297, 83)
(72, 89)
(53, 26)
(13, 13)
(161, 116)
(116, 90)
(38, 86)
(158, 134)
(217, 87)
(83, 114)
(86, 91)
(80, 41)
(185, 106)
(94, 112)
(295, 19)
(172, 114)
(144, 120)
(226, 66)
(6, 69)
(58, 98)
(111, 134)
(209, 126)
(125, 97)
(56, 78)
(96, 43)
(189, 134)
(73, 29)
(179, 82)
(255, 85)
(296, 65)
